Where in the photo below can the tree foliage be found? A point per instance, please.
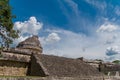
(116, 61)
(7, 33)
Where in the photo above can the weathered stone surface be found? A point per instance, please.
(15, 57)
(37, 68)
(61, 67)
(27, 60)
(13, 68)
(57, 78)
(19, 56)
(18, 51)
(110, 68)
(67, 67)
(31, 43)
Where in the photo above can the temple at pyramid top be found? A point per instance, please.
(31, 43)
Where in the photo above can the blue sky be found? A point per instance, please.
(71, 28)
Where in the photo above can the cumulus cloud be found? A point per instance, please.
(70, 44)
(53, 37)
(77, 44)
(112, 50)
(74, 45)
(27, 28)
(30, 27)
(109, 34)
(113, 57)
(107, 27)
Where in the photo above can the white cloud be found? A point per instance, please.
(100, 5)
(53, 37)
(107, 27)
(21, 38)
(79, 45)
(108, 33)
(27, 28)
(30, 27)
(75, 45)
(113, 57)
(112, 50)
(74, 6)
(69, 44)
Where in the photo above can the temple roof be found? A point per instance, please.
(31, 43)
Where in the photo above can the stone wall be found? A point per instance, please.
(36, 67)
(13, 68)
(55, 78)
(13, 64)
(110, 69)
(15, 56)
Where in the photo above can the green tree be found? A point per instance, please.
(7, 33)
(116, 61)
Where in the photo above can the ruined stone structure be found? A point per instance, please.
(16, 61)
(107, 68)
(13, 68)
(27, 60)
(31, 44)
(110, 68)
